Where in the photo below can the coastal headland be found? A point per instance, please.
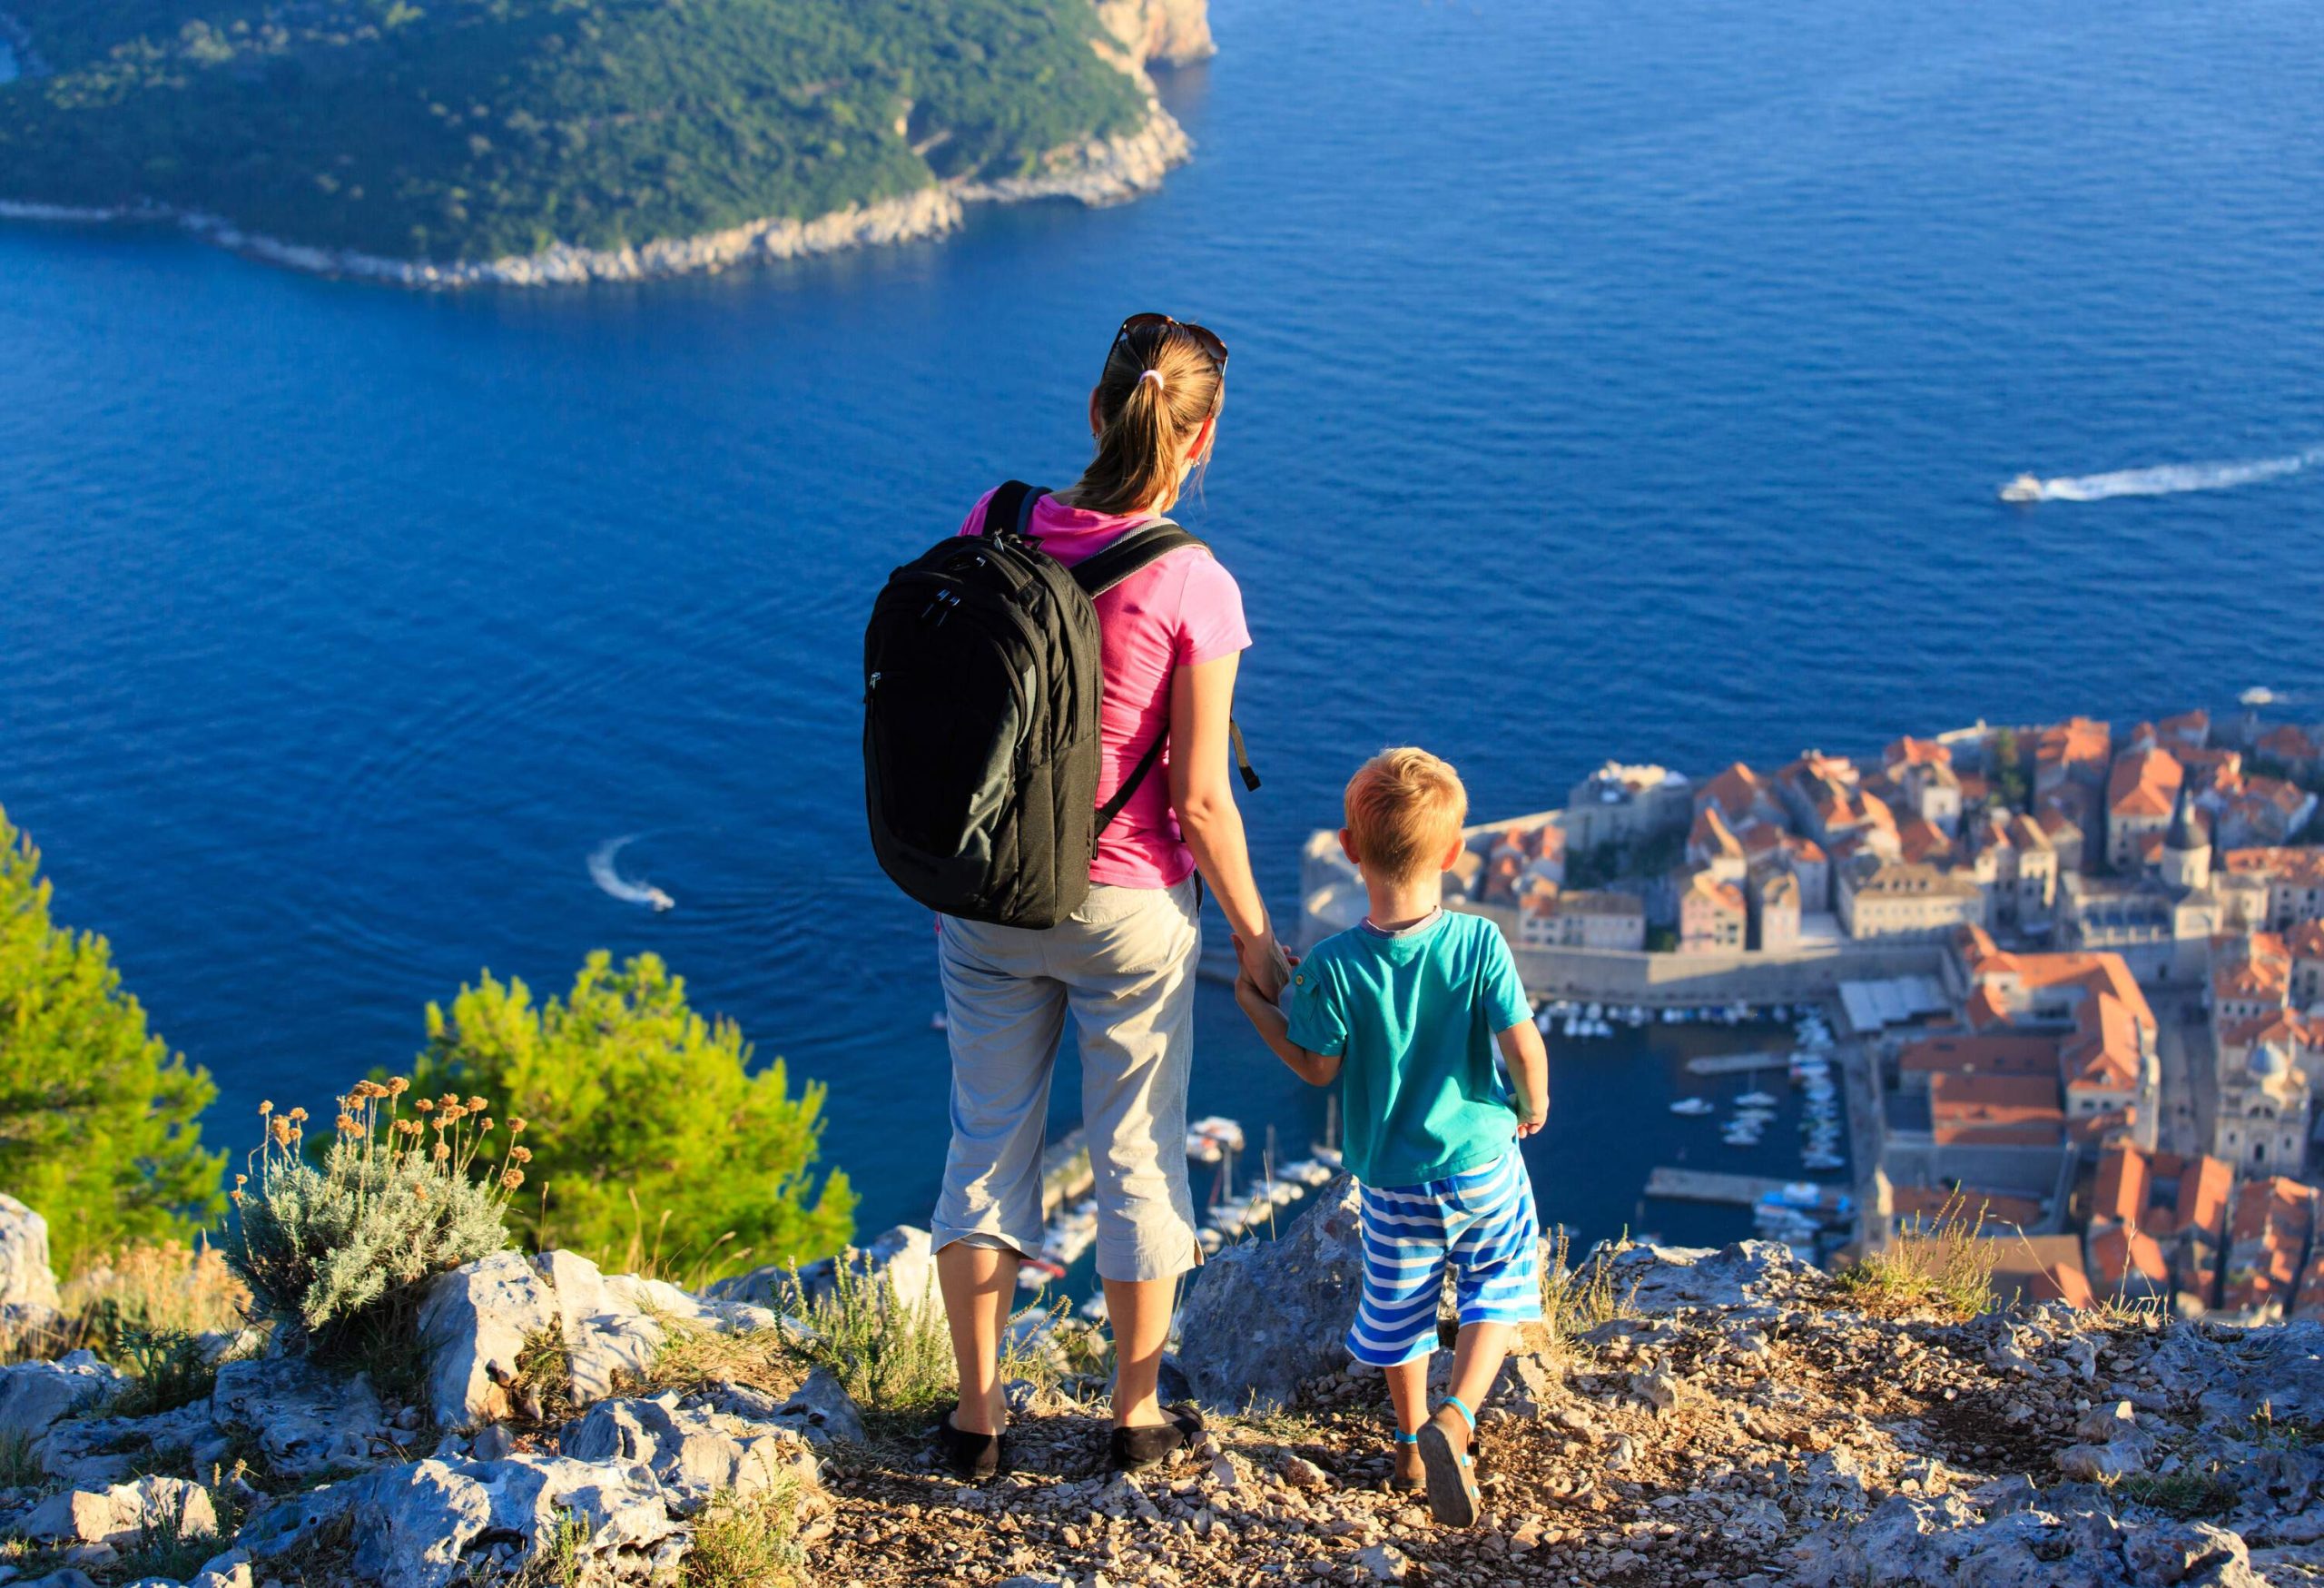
(857, 160)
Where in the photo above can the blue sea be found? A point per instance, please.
(1606, 380)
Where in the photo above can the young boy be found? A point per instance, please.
(1405, 1010)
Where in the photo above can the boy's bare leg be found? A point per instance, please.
(979, 1285)
(1408, 1392)
(1477, 1357)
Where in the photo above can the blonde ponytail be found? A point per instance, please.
(1157, 390)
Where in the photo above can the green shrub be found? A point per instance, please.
(99, 1125)
(394, 1200)
(888, 1356)
(167, 1370)
(642, 1104)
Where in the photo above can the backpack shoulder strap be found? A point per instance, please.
(1101, 571)
(1010, 510)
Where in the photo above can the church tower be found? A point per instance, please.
(2186, 850)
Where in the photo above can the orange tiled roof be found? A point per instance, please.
(2191, 727)
(2076, 740)
(2306, 940)
(1911, 751)
(1994, 1110)
(2204, 1186)
(2288, 743)
(2145, 783)
(1963, 1055)
(2297, 867)
(1734, 791)
(2121, 1190)
(2115, 1254)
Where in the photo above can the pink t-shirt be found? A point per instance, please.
(1180, 611)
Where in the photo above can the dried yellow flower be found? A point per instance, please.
(477, 1105)
(265, 1108)
(347, 1127)
(281, 1131)
(515, 1127)
(397, 1085)
(520, 1155)
(442, 1152)
(298, 1116)
(424, 1104)
(241, 1179)
(511, 1178)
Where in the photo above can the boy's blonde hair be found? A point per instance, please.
(1404, 808)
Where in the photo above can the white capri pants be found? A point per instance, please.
(1124, 964)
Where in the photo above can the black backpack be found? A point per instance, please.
(981, 678)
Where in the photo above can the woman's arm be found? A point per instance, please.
(1202, 792)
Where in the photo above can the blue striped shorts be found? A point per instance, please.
(1481, 1222)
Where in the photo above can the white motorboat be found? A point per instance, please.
(2025, 488)
(1691, 1106)
(1755, 1100)
(1221, 1129)
(660, 901)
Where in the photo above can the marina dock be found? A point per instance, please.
(1066, 1175)
(1738, 1063)
(1695, 1185)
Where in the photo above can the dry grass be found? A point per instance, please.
(1946, 1264)
(750, 1542)
(1577, 1298)
(158, 1289)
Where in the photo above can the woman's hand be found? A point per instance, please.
(1263, 962)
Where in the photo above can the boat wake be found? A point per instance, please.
(2168, 480)
(606, 874)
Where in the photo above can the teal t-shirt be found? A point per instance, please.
(1412, 1015)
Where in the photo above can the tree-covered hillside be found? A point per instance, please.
(475, 129)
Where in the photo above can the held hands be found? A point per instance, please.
(1264, 964)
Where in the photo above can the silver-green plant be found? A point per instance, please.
(322, 1240)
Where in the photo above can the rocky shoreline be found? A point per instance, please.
(1101, 172)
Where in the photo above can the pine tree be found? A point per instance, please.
(100, 1126)
(653, 1142)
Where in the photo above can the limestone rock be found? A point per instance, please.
(473, 1328)
(306, 1419)
(1263, 1317)
(1171, 33)
(120, 1514)
(33, 1395)
(27, 1286)
(423, 1525)
(823, 1411)
(92, 1452)
(693, 1449)
(2098, 1463)
(1384, 1562)
(231, 1570)
(1745, 1279)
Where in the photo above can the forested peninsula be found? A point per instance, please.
(451, 142)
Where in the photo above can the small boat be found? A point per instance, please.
(1756, 1099)
(936, 1023)
(1691, 1106)
(1094, 1309)
(1210, 1241)
(1594, 1012)
(1225, 1133)
(2025, 488)
(1307, 1171)
(660, 901)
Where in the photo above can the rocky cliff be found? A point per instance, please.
(1727, 1417)
(1167, 32)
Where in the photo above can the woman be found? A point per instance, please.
(1123, 964)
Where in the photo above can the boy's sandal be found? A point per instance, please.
(967, 1455)
(1452, 1493)
(1188, 1417)
(1404, 1485)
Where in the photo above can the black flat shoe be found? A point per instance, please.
(1135, 1449)
(1186, 1417)
(968, 1456)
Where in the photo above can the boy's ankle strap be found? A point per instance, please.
(1403, 1438)
(1467, 1415)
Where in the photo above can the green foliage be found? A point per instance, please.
(2009, 785)
(474, 129)
(638, 1102)
(325, 1248)
(167, 1370)
(99, 1121)
(2185, 1495)
(1576, 1297)
(890, 1356)
(1945, 1264)
(750, 1542)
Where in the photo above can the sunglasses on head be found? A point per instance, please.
(1151, 328)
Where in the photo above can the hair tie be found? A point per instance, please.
(1154, 376)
